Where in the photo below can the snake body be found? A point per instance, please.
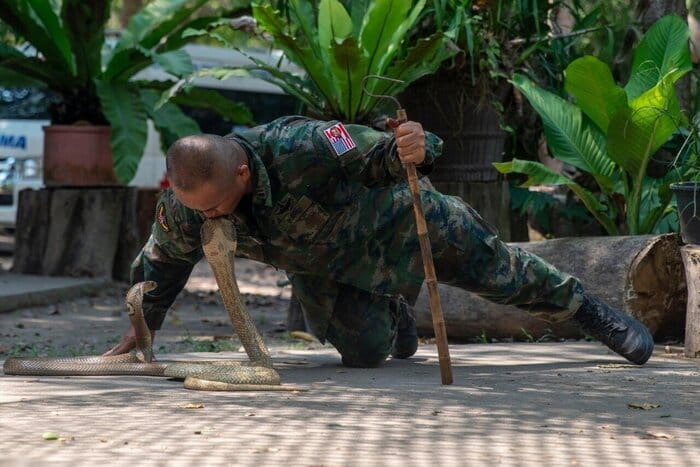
(219, 245)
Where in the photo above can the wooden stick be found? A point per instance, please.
(429, 268)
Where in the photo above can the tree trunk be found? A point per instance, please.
(650, 11)
(642, 275)
(691, 261)
(137, 220)
(74, 233)
(82, 232)
(129, 9)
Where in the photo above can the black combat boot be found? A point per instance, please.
(406, 342)
(622, 333)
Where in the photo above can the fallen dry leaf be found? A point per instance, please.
(643, 406)
(304, 336)
(193, 406)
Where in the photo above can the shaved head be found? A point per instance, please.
(194, 160)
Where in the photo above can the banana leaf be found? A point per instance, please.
(538, 174)
(127, 116)
(572, 137)
(591, 82)
(663, 48)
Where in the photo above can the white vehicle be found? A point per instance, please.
(22, 140)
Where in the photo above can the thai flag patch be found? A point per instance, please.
(339, 138)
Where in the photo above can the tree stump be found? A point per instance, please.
(691, 261)
(81, 232)
(642, 275)
(137, 221)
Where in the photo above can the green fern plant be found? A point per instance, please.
(336, 48)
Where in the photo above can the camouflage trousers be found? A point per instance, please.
(467, 253)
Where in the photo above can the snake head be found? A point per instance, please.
(149, 286)
(134, 297)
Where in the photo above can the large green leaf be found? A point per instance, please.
(232, 111)
(84, 22)
(590, 81)
(37, 22)
(175, 62)
(302, 12)
(171, 123)
(166, 20)
(149, 29)
(334, 23)
(144, 27)
(126, 63)
(348, 64)
(382, 19)
(270, 21)
(638, 131)
(12, 78)
(192, 29)
(358, 8)
(33, 68)
(288, 82)
(663, 48)
(398, 37)
(572, 138)
(127, 116)
(422, 59)
(538, 174)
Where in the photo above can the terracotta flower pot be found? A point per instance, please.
(76, 155)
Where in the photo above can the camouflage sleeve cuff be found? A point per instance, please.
(433, 149)
(171, 279)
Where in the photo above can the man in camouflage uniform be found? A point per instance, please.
(329, 204)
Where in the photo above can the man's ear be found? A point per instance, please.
(243, 171)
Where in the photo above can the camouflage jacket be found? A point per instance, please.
(321, 205)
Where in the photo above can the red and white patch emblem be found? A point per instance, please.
(339, 138)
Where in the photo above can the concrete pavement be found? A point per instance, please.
(511, 404)
(25, 290)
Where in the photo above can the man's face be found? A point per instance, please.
(216, 199)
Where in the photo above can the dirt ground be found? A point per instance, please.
(197, 321)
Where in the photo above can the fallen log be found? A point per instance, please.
(642, 275)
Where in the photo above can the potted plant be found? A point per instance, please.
(336, 48)
(99, 112)
(687, 189)
(611, 133)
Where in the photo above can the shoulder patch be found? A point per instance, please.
(339, 138)
(162, 218)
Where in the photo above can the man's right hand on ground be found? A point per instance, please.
(127, 344)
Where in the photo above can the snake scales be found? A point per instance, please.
(219, 244)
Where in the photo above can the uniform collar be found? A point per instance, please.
(262, 193)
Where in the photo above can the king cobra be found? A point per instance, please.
(219, 244)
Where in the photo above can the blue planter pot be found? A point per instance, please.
(688, 199)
